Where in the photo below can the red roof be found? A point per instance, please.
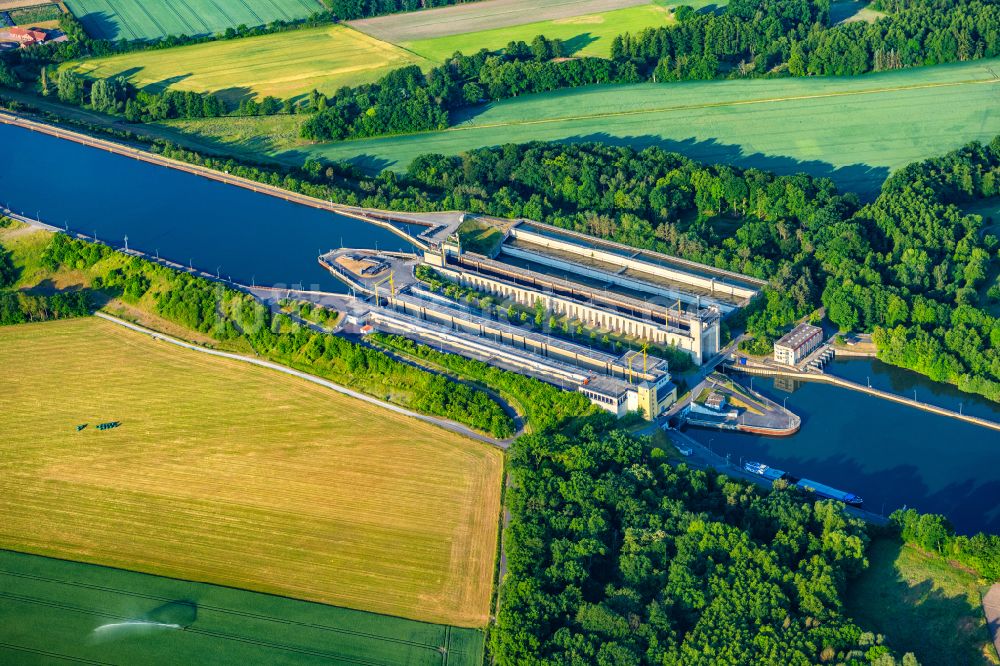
(26, 36)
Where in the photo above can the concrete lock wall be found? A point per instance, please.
(502, 336)
(676, 275)
(692, 344)
(671, 295)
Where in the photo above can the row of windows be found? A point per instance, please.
(603, 398)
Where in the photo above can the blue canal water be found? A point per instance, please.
(890, 454)
(186, 218)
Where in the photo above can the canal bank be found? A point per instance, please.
(771, 371)
(889, 453)
(196, 222)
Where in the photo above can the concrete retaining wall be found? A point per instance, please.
(676, 275)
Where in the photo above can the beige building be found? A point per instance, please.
(797, 344)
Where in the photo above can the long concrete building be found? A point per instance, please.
(642, 294)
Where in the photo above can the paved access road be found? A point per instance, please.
(991, 608)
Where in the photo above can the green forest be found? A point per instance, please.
(747, 38)
(616, 557)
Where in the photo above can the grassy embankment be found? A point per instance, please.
(61, 612)
(219, 462)
(922, 604)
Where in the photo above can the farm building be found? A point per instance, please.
(27, 36)
(796, 344)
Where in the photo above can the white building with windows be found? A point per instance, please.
(797, 344)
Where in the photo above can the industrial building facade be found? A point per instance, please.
(602, 286)
(797, 344)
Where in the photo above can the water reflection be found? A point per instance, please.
(890, 454)
(191, 220)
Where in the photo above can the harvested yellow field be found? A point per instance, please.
(284, 64)
(237, 475)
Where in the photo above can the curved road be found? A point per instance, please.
(442, 423)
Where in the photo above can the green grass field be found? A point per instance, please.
(236, 475)
(139, 19)
(922, 604)
(53, 611)
(286, 64)
(586, 35)
(855, 130)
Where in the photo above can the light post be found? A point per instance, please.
(218, 272)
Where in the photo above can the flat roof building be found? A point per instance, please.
(797, 344)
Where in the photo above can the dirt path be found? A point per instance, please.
(991, 608)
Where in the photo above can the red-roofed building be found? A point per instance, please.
(28, 37)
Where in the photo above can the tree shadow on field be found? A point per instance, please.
(863, 179)
(577, 43)
(366, 162)
(235, 95)
(127, 74)
(160, 86)
(938, 627)
(711, 9)
(102, 25)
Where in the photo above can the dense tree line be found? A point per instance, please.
(239, 319)
(911, 267)
(759, 38)
(115, 95)
(543, 405)
(748, 38)
(934, 533)
(615, 557)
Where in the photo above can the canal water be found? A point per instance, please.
(188, 219)
(890, 454)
